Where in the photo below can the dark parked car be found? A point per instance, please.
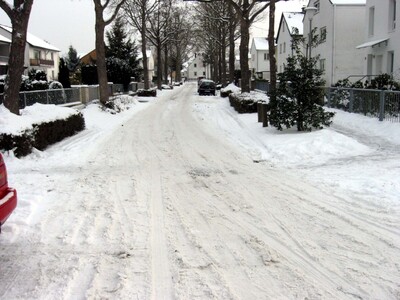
(206, 87)
(8, 196)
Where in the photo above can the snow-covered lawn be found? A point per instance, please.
(181, 197)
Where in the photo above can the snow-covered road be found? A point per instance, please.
(168, 207)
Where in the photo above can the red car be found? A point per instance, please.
(8, 196)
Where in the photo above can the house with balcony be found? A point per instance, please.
(150, 63)
(341, 23)
(259, 62)
(39, 54)
(380, 48)
(290, 27)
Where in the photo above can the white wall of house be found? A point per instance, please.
(380, 48)
(288, 22)
(344, 24)
(197, 68)
(47, 55)
(259, 62)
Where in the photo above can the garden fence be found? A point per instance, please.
(71, 96)
(382, 104)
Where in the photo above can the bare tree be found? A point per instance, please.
(19, 15)
(160, 32)
(137, 14)
(271, 47)
(100, 8)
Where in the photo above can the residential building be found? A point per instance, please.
(39, 54)
(290, 27)
(341, 23)
(380, 48)
(259, 62)
(197, 67)
(150, 62)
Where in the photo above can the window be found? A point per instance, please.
(204, 65)
(392, 15)
(280, 48)
(204, 73)
(322, 34)
(284, 47)
(371, 20)
(322, 64)
(390, 68)
(195, 73)
(283, 27)
(36, 54)
(265, 56)
(195, 65)
(316, 4)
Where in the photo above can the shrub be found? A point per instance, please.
(40, 136)
(147, 93)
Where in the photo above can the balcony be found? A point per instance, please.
(3, 60)
(34, 62)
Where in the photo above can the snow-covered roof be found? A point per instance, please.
(294, 20)
(34, 40)
(4, 39)
(349, 2)
(260, 43)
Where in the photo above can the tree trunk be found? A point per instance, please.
(101, 58)
(223, 59)
(19, 20)
(144, 54)
(244, 54)
(232, 29)
(178, 75)
(271, 51)
(166, 63)
(159, 64)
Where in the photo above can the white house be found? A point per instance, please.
(39, 54)
(290, 26)
(380, 48)
(197, 67)
(150, 62)
(342, 23)
(259, 63)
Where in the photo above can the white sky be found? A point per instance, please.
(71, 22)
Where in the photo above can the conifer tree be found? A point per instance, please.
(72, 59)
(299, 94)
(63, 74)
(121, 55)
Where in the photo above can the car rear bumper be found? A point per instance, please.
(7, 204)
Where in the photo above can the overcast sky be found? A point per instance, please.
(71, 22)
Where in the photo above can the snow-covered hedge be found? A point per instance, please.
(37, 135)
(247, 102)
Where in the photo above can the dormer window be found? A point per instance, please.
(316, 4)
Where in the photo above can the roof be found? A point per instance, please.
(260, 43)
(34, 40)
(371, 43)
(349, 2)
(294, 20)
(4, 39)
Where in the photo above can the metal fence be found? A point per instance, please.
(63, 96)
(381, 104)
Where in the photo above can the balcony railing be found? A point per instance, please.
(4, 59)
(41, 62)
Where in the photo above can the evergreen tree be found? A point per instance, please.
(299, 95)
(72, 59)
(121, 55)
(63, 74)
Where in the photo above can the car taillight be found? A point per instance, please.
(3, 175)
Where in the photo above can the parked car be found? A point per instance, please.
(206, 87)
(8, 196)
